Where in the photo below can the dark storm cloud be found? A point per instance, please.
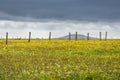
(61, 9)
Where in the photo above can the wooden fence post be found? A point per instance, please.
(6, 38)
(105, 35)
(29, 37)
(100, 35)
(87, 36)
(49, 35)
(69, 36)
(76, 36)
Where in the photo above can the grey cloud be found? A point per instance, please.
(62, 9)
(62, 16)
(58, 27)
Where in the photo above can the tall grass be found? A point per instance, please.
(60, 60)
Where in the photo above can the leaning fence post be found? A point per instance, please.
(69, 36)
(29, 37)
(6, 38)
(100, 35)
(76, 36)
(105, 35)
(87, 36)
(49, 35)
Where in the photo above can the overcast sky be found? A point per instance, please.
(59, 16)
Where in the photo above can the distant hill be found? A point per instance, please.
(79, 36)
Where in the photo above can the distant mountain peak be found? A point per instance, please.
(79, 36)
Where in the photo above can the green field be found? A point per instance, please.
(60, 60)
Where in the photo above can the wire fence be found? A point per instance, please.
(60, 35)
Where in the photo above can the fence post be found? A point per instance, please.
(49, 35)
(87, 36)
(69, 36)
(6, 38)
(100, 35)
(76, 36)
(29, 37)
(105, 35)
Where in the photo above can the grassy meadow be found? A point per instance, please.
(60, 60)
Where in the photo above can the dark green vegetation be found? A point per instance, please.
(60, 60)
